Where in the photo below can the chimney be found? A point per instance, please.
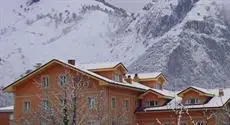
(71, 61)
(128, 79)
(136, 78)
(221, 92)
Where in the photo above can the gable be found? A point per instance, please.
(150, 95)
(50, 64)
(33, 84)
(195, 90)
(154, 93)
(117, 67)
(147, 78)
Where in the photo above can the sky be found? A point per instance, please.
(227, 9)
(130, 5)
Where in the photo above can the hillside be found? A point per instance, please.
(40, 32)
(188, 40)
(191, 43)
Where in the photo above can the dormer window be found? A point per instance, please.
(151, 103)
(192, 101)
(157, 86)
(116, 77)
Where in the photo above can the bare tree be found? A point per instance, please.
(69, 101)
(220, 115)
(64, 104)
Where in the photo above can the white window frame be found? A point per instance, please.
(166, 123)
(116, 77)
(199, 123)
(113, 102)
(62, 79)
(183, 123)
(149, 103)
(62, 102)
(26, 106)
(91, 102)
(11, 117)
(43, 122)
(126, 104)
(26, 122)
(113, 123)
(193, 101)
(93, 122)
(157, 86)
(45, 104)
(45, 81)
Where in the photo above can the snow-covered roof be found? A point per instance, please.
(134, 85)
(100, 65)
(215, 102)
(7, 109)
(165, 93)
(146, 75)
(79, 68)
(124, 83)
(205, 91)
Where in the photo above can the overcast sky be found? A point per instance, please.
(131, 5)
(227, 9)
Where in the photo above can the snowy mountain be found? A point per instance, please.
(188, 40)
(191, 43)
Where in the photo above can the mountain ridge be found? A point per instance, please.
(187, 40)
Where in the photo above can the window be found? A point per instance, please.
(91, 103)
(62, 102)
(228, 106)
(26, 122)
(116, 77)
(45, 104)
(126, 104)
(62, 80)
(45, 82)
(157, 86)
(93, 122)
(138, 103)
(199, 123)
(27, 106)
(193, 101)
(183, 123)
(151, 123)
(113, 102)
(151, 103)
(43, 122)
(113, 123)
(167, 123)
(11, 117)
